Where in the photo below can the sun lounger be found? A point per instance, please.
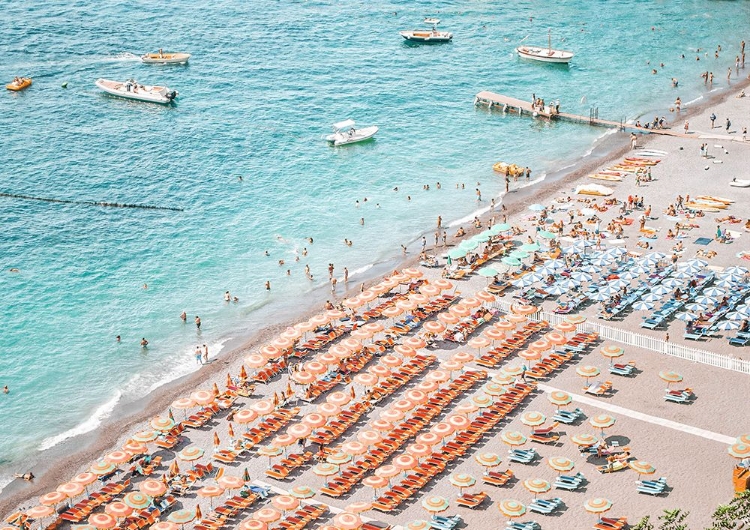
(544, 439)
(568, 416)
(611, 523)
(471, 500)
(522, 456)
(497, 478)
(544, 506)
(569, 482)
(527, 525)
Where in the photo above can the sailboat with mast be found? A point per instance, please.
(548, 55)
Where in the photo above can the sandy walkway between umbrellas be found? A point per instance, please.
(695, 462)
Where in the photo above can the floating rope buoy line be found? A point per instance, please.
(91, 203)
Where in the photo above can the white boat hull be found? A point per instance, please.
(544, 55)
(426, 36)
(739, 183)
(359, 135)
(150, 94)
(165, 58)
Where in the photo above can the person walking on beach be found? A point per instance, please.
(198, 355)
(198, 322)
(479, 195)
(633, 141)
(729, 124)
(205, 354)
(439, 222)
(713, 119)
(507, 183)
(687, 126)
(346, 275)
(424, 243)
(528, 173)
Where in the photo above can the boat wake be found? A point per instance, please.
(122, 57)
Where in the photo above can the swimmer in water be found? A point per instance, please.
(144, 343)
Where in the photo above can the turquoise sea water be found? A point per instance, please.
(265, 82)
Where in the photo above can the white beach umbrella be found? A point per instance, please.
(640, 269)
(618, 283)
(726, 325)
(682, 275)
(556, 290)
(651, 297)
(591, 269)
(705, 300)
(695, 307)
(714, 291)
(581, 276)
(599, 297)
(735, 315)
(686, 316)
(660, 290)
(671, 282)
(643, 306)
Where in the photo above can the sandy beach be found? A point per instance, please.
(657, 431)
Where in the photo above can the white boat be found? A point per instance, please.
(427, 35)
(740, 183)
(548, 55)
(344, 132)
(133, 90)
(161, 57)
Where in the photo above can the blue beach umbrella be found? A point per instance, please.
(735, 315)
(705, 300)
(525, 281)
(519, 254)
(546, 235)
(643, 306)
(591, 269)
(726, 325)
(499, 229)
(735, 269)
(651, 297)
(599, 297)
(511, 262)
(529, 247)
(469, 245)
(556, 264)
(556, 290)
(581, 276)
(695, 307)
(714, 291)
(456, 253)
(660, 290)
(686, 316)
(671, 283)
(487, 272)
(568, 284)
(481, 238)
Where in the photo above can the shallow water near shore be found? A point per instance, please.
(265, 82)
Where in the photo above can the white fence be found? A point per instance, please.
(644, 341)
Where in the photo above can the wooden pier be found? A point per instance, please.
(513, 105)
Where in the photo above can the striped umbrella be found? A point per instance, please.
(502, 379)
(190, 453)
(588, 371)
(163, 525)
(537, 485)
(52, 498)
(302, 492)
(40, 512)
(267, 515)
(144, 436)
(358, 507)
(739, 450)
(102, 467)
(612, 351)
(137, 500)
(670, 377)
(347, 521)
(325, 469)
(533, 418)
(584, 439)
(152, 488)
(597, 505)
(462, 480)
(181, 516)
(560, 463)
(602, 421)
(338, 458)
(103, 521)
(488, 459)
(744, 439)
(435, 504)
(559, 398)
(512, 438)
(419, 525)
(161, 424)
(642, 467)
(285, 502)
(511, 508)
(118, 509)
(71, 489)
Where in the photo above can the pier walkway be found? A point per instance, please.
(521, 107)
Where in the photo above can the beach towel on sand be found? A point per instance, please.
(703, 241)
